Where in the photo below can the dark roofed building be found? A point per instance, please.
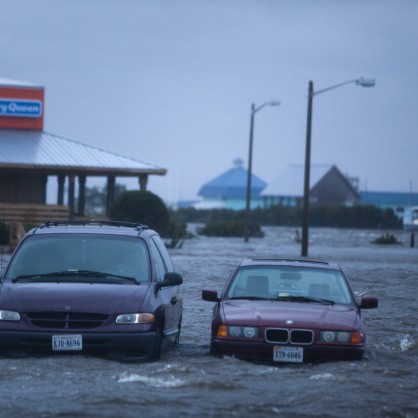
(328, 186)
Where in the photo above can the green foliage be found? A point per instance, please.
(141, 207)
(386, 239)
(207, 215)
(278, 215)
(361, 216)
(234, 228)
(95, 199)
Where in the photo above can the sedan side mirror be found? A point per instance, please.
(210, 295)
(171, 278)
(369, 302)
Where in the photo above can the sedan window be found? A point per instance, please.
(288, 283)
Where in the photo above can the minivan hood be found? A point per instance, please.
(75, 297)
(279, 313)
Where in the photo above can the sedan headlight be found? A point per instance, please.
(135, 318)
(235, 331)
(9, 316)
(341, 337)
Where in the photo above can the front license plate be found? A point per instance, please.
(288, 354)
(67, 342)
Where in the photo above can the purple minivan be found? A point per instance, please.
(91, 287)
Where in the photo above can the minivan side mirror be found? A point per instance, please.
(171, 278)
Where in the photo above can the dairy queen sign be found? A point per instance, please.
(21, 105)
(20, 108)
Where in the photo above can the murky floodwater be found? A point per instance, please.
(189, 382)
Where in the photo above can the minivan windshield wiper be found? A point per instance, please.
(250, 298)
(308, 299)
(74, 275)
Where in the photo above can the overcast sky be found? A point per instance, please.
(171, 82)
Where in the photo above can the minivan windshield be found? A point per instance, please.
(80, 257)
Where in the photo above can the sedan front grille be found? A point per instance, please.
(66, 320)
(301, 336)
(277, 335)
(284, 336)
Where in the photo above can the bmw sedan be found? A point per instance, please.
(96, 287)
(290, 311)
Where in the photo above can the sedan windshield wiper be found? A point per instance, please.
(80, 274)
(308, 299)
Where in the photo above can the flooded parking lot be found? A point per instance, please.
(189, 382)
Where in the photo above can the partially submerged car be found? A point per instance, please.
(98, 287)
(290, 311)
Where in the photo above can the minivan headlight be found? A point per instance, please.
(135, 318)
(9, 316)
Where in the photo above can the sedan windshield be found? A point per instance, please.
(290, 284)
(80, 257)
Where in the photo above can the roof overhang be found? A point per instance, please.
(38, 151)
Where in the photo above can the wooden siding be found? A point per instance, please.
(31, 214)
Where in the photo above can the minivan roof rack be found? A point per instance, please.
(98, 222)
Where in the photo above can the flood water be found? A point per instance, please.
(189, 382)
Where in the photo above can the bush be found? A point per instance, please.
(230, 229)
(141, 207)
(361, 216)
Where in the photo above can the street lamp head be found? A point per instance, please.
(270, 103)
(366, 82)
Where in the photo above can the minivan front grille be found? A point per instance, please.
(284, 336)
(66, 320)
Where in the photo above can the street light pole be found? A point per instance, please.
(305, 220)
(363, 82)
(254, 110)
(250, 162)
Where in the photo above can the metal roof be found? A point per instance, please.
(21, 149)
(7, 82)
(232, 184)
(291, 180)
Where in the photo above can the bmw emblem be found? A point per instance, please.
(289, 322)
(67, 308)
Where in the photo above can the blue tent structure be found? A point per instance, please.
(229, 189)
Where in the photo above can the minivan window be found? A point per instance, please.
(163, 252)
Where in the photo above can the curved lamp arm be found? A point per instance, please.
(363, 82)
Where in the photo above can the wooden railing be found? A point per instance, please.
(19, 215)
(25, 213)
(16, 233)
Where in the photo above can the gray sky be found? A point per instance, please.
(171, 82)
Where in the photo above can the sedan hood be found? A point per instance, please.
(278, 314)
(76, 297)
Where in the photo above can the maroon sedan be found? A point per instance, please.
(288, 311)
